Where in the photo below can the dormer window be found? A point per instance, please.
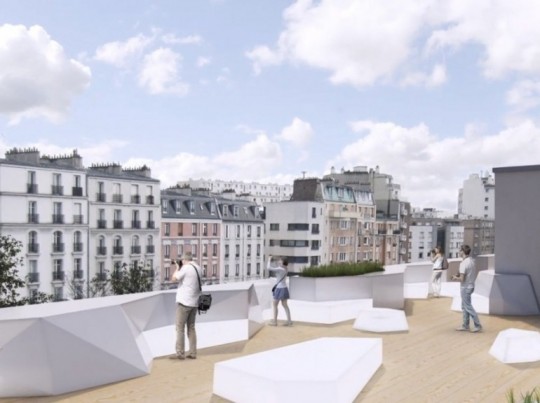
(225, 210)
(236, 211)
(191, 205)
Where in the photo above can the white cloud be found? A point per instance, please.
(299, 133)
(172, 39)
(430, 170)
(122, 54)
(37, 79)
(524, 95)
(203, 61)
(160, 73)
(362, 42)
(436, 78)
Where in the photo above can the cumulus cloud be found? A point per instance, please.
(37, 78)
(524, 95)
(121, 54)
(160, 73)
(430, 169)
(299, 133)
(362, 42)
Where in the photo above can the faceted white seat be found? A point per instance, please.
(331, 369)
(381, 320)
(516, 345)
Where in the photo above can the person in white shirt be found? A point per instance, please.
(437, 258)
(280, 292)
(187, 302)
(467, 275)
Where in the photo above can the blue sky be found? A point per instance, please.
(429, 91)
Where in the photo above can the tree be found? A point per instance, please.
(10, 281)
(124, 279)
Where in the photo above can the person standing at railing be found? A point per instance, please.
(280, 291)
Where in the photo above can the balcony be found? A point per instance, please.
(101, 197)
(58, 218)
(118, 224)
(78, 274)
(136, 250)
(77, 247)
(135, 224)
(78, 219)
(58, 247)
(117, 198)
(33, 218)
(150, 249)
(101, 276)
(58, 275)
(118, 250)
(149, 199)
(33, 248)
(76, 191)
(57, 190)
(101, 250)
(152, 225)
(31, 188)
(102, 224)
(135, 199)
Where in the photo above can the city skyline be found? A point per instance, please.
(264, 91)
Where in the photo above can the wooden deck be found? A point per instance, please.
(429, 363)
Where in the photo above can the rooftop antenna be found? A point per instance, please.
(304, 174)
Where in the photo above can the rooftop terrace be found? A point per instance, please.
(429, 363)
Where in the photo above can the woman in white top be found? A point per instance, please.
(280, 291)
(437, 258)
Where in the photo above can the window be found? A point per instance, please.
(226, 250)
(214, 229)
(164, 203)
(194, 250)
(342, 256)
(167, 251)
(31, 177)
(314, 228)
(180, 229)
(226, 270)
(225, 210)
(178, 206)
(258, 250)
(237, 271)
(238, 231)
(298, 227)
(205, 229)
(248, 270)
(194, 229)
(226, 231)
(249, 231)
(167, 229)
(214, 249)
(205, 250)
(344, 224)
(236, 211)
(58, 217)
(212, 208)
(258, 269)
(249, 250)
(274, 227)
(214, 270)
(313, 212)
(237, 249)
(258, 231)
(32, 212)
(191, 204)
(77, 241)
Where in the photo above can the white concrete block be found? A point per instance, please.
(416, 290)
(320, 370)
(450, 289)
(325, 312)
(516, 345)
(480, 303)
(381, 320)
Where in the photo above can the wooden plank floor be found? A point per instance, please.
(429, 363)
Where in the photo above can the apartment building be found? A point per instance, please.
(322, 223)
(124, 219)
(43, 205)
(242, 234)
(259, 193)
(191, 222)
(393, 214)
(479, 234)
(476, 199)
(74, 222)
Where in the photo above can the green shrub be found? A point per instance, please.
(342, 269)
(532, 396)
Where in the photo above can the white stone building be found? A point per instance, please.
(476, 198)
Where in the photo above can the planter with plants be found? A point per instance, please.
(349, 281)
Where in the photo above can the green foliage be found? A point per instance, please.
(125, 280)
(342, 269)
(10, 281)
(532, 396)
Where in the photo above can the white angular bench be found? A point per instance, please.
(330, 369)
(516, 345)
(381, 320)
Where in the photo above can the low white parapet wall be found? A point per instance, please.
(56, 348)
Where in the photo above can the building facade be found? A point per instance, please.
(476, 198)
(74, 222)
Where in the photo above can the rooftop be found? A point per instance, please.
(430, 362)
